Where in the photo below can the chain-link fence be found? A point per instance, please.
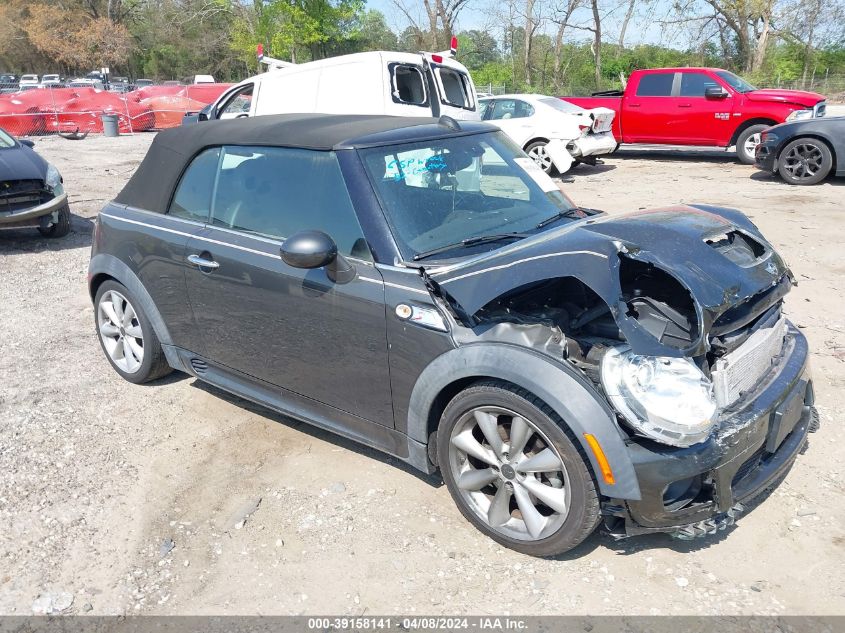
(40, 111)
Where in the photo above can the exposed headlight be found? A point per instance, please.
(54, 179)
(667, 399)
(766, 137)
(799, 114)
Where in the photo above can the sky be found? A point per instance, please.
(643, 29)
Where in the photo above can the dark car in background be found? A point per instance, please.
(804, 152)
(31, 191)
(423, 287)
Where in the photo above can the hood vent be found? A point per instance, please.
(200, 366)
(737, 247)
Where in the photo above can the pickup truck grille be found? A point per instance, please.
(17, 195)
(739, 371)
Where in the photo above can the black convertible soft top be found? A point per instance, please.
(151, 186)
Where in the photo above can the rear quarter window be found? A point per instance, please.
(456, 88)
(408, 84)
(192, 200)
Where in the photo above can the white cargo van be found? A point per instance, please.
(378, 82)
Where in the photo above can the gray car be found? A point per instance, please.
(32, 193)
(422, 287)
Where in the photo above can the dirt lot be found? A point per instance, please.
(116, 498)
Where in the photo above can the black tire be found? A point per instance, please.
(154, 364)
(583, 514)
(816, 154)
(61, 227)
(745, 156)
(549, 168)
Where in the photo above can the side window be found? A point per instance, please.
(522, 109)
(503, 109)
(238, 104)
(275, 192)
(482, 108)
(694, 84)
(408, 84)
(193, 194)
(656, 85)
(455, 86)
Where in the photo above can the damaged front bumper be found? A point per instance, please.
(42, 215)
(694, 491)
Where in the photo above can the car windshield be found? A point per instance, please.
(6, 141)
(462, 194)
(737, 83)
(561, 105)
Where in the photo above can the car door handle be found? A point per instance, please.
(196, 260)
(633, 105)
(684, 105)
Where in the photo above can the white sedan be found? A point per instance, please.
(556, 134)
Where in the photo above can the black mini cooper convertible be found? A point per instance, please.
(420, 286)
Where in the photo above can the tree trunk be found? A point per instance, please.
(432, 23)
(597, 42)
(762, 43)
(529, 36)
(628, 15)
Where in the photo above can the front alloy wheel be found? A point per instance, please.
(514, 471)
(805, 161)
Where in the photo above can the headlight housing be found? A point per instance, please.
(795, 115)
(54, 179)
(769, 137)
(667, 399)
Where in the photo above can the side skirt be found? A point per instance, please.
(306, 409)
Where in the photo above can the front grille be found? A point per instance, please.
(739, 371)
(16, 195)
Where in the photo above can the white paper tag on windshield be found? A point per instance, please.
(537, 174)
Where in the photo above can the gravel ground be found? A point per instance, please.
(177, 498)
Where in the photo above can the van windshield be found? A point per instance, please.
(458, 192)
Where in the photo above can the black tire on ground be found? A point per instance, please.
(805, 161)
(584, 513)
(154, 364)
(61, 227)
(745, 156)
(549, 168)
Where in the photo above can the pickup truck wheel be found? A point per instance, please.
(514, 470)
(61, 227)
(805, 161)
(747, 142)
(537, 151)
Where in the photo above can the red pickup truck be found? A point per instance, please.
(699, 106)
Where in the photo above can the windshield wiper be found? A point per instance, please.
(470, 241)
(575, 213)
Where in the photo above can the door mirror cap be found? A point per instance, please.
(715, 92)
(27, 142)
(309, 249)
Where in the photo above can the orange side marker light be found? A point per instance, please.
(601, 459)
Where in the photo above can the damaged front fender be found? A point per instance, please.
(667, 275)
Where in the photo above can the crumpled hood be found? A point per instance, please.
(592, 250)
(21, 163)
(798, 97)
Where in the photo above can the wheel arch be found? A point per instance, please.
(534, 140)
(567, 392)
(747, 124)
(104, 267)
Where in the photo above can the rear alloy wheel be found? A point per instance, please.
(805, 161)
(60, 227)
(126, 336)
(747, 142)
(514, 472)
(537, 151)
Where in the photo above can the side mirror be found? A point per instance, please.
(715, 92)
(315, 249)
(202, 116)
(27, 142)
